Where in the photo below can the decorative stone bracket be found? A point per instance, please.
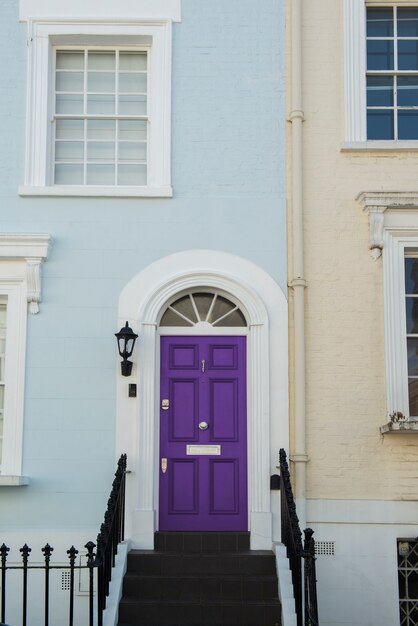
(375, 203)
(33, 250)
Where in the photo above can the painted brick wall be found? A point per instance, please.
(344, 301)
(228, 178)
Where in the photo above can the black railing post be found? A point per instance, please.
(311, 601)
(25, 551)
(3, 552)
(291, 534)
(72, 555)
(47, 551)
(90, 564)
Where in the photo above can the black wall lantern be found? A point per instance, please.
(126, 340)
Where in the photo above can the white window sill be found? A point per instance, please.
(13, 481)
(114, 192)
(379, 145)
(406, 427)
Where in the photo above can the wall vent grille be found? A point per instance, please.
(325, 548)
(65, 581)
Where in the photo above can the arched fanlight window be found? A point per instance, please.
(205, 308)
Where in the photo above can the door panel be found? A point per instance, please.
(204, 381)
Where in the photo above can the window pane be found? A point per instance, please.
(69, 81)
(379, 124)
(380, 91)
(132, 105)
(69, 151)
(101, 129)
(413, 397)
(412, 345)
(133, 61)
(100, 151)
(203, 302)
(380, 55)
(98, 174)
(412, 316)
(101, 82)
(184, 306)
(172, 319)
(408, 55)
(68, 174)
(132, 151)
(132, 175)
(70, 60)
(69, 129)
(221, 306)
(234, 319)
(101, 60)
(133, 83)
(407, 124)
(100, 105)
(71, 104)
(411, 275)
(133, 129)
(407, 22)
(408, 90)
(379, 22)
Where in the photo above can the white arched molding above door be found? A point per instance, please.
(264, 305)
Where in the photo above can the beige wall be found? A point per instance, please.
(346, 396)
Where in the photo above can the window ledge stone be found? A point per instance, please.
(380, 146)
(97, 192)
(13, 481)
(407, 427)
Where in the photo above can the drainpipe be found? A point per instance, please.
(297, 282)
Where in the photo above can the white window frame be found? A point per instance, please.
(355, 67)
(393, 218)
(46, 34)
(21, 257)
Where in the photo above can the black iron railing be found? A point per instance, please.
(304, 589)
(110, 535)
(102, 560)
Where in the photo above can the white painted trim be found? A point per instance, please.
(265, 306)
(42, 35)
(380, 146)
(393, 229)
(97, 192)
(133, 9)
(396, 243)
(21, 257)
(13, 481)
(384, 512)
(354, 70)
(111, 613)
(286, 596)
(197, 330)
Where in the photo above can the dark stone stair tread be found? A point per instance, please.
(137, 553)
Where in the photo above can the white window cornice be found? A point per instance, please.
(376, 204)
(33, 250)
(51, 9)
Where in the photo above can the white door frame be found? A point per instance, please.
(137, 429)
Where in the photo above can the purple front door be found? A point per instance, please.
(203, 434)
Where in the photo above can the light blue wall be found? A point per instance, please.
(228, 177)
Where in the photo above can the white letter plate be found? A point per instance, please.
(203, 450)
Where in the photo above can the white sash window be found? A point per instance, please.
(101, 117)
